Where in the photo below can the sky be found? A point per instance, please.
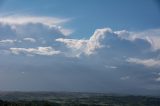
(105, 46)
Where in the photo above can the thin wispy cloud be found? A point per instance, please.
(20, 20)
(46, 51)
(145, 62)
(30, 39)
(6, 41)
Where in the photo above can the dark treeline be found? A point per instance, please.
(88, 101)
(28, 103)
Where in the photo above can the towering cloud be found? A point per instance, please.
(118, 41)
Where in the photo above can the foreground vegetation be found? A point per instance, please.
(74, 99)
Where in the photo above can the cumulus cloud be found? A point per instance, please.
(97, 38)
(87, 46)
(46, 51)
(145, 62)
(124, 41)
(46, 30)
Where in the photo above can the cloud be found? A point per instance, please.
(32, 26)
(96, 40)
(21, 20)
(77, 47)
(107, 40)
(151, 36)
(65, 32)
(104, 42)
(46, 51)
(103, 50)
(155, 42)
(30, 39)
(46, 30)
(145, 62)
(88, 46)
(6, 41)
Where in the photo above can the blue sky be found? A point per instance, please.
(80, 45)
(126, 14)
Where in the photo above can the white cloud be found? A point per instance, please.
(123, 34)
(77, 47)
(30, 39)
(7, 41)
(19, 20)
(88, 46)
(151, 36)
(99, 39)
(45, 33)
(155, 42)
(145, 62)
(48, 51)
(96, 39)
(33, 25)
(65, 32)
(73, 43)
